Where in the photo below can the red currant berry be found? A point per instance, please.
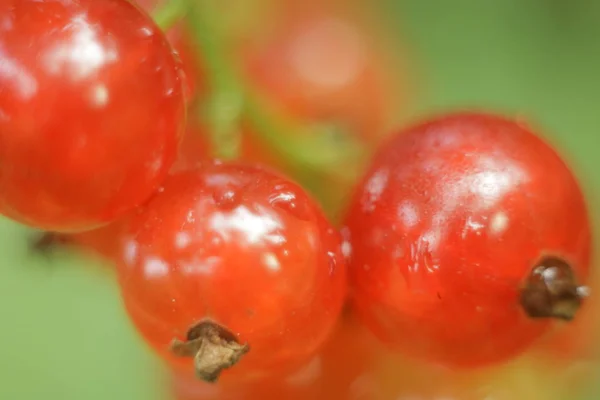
(230, 259)
(466, 233)
(91, 111)
(320, 67)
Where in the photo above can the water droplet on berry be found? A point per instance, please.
(226, 197)
(287, 200)
(332, 262)
(146, 31)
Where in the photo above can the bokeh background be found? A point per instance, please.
(64, 333)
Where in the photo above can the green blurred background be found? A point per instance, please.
(64, 334)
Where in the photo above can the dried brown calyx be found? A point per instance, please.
(213, 347)
(552, 291)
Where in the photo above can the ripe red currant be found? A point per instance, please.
(319, 67)
(230, 259)
(91, 111)
(465, 232)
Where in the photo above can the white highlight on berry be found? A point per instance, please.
(182, 240)
(19, 78)
(408, 214)
(374, 188)
(83, 53)
(499, 223)
(201, 266)
(154, 267)
(346, 249)
(99, 96)
(253, 227)
(271, 262)
(330, 53)
(130, 252)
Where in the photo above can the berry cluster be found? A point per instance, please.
(466, 236)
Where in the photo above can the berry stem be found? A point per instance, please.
(213, 347)
(170, 13)
(309, 150)
(225, 103)
(551, 290)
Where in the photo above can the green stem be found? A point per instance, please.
(311, 152)
(225, 103)
(170, 13)
(313, 147)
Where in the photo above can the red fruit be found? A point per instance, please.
(467, 231)
(319, 67)
(237, 255)
(91, 111)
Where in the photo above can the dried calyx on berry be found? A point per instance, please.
(213, 347)
(552, 290)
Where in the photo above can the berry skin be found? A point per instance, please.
(467, 231)
(194, 83)
(235, 259)
(104, 241)
(91, 111)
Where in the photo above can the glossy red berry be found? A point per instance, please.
(467, 231)
(91, 111)
(235, 263)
